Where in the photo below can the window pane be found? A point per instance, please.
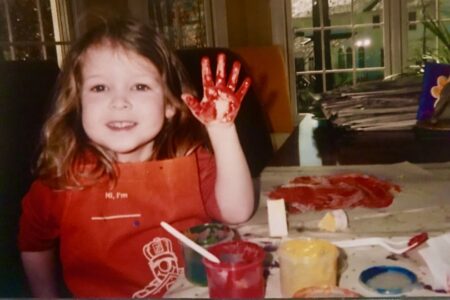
(181, 21)
(3, 24)
(28, 53)
(422, 42)
(341, 41)
(369, 43)
(326, 39)
(364, 11)
(302, 13)
(47, 23)
(24, 20)
(443, 53)
(369, 75)
(305, 84)
(304, 51)
(30, 26)
(423, 8)
(342, 79)
(444, 9)
(340, 12)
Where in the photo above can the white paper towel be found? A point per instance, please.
(437, 258)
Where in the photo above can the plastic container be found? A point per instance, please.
(240, 272)
(307, 263)
(205, 235)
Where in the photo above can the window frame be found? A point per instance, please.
(323, 72)
(61, 30)
(395, 25)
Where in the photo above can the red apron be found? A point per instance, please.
(111, 242)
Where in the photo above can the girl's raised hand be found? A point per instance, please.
(220, 102)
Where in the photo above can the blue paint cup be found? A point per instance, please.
(205, 235)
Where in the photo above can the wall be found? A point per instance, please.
(249, 23)
(88, 12)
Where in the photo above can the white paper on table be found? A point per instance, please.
(276, 214)
(437, 258)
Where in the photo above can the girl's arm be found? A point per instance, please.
(234, 187)
(217, 111)
(40, 270)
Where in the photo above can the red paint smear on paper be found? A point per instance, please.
(348, 190)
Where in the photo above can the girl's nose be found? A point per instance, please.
(120, 102)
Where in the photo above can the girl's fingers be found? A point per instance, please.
(232, 81)
(210, 109)
(207, 79)
(243, 89)
(220, 71)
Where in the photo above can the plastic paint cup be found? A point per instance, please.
(205, 235)
(307, 263)
(240, 272)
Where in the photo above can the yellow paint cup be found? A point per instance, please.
(307, 263)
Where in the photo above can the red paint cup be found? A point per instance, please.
(239, 273)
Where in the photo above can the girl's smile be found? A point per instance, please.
(121, 125)
(123, 106)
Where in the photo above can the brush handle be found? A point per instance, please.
(188, 242)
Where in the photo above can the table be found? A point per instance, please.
(408, 215)
(422, 205)
(318, 142)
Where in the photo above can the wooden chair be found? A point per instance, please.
(267, 66)
(25, 94)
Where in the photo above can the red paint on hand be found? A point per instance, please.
(220, 102)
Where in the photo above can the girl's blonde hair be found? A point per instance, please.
(68, 158)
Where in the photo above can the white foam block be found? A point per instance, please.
(276, 213)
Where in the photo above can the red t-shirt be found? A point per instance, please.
(111, 243)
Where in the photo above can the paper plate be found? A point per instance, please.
(388, 280)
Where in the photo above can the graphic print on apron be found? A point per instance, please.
(163, 263)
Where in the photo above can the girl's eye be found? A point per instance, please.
(141, 87)
(98, 88)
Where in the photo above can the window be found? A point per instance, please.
(422, 43)
(376, 21)
(412, 17)
(31, 29)
(351, 41)
(182, 21)
(341, 39)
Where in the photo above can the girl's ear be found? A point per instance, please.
(170, 111)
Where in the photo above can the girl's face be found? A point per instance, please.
(122, 100)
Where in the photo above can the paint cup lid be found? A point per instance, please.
(388, 280)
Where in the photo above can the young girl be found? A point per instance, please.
(122, 152)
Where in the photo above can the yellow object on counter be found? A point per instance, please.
(307, 263)
(328, 223)
(334, 221)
